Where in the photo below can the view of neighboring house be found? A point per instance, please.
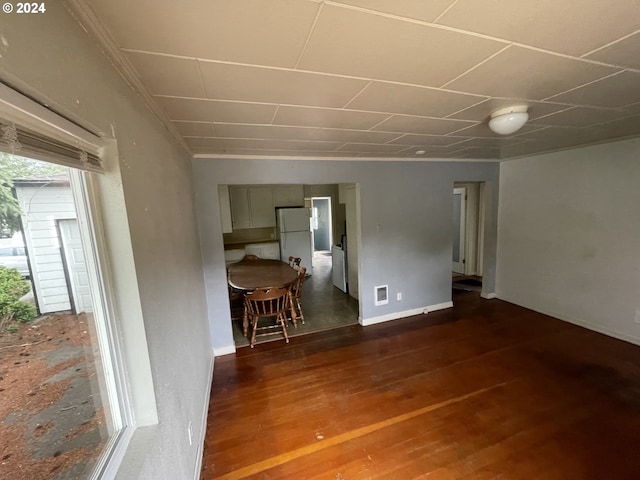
(53, 244)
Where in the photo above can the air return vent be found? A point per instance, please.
(381, 294)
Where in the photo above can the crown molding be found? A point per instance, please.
(88, 20)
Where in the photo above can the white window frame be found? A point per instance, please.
(129, 381)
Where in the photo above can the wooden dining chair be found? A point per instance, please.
(294, 261)
(296, 296)
(267, 303)
(250, 257)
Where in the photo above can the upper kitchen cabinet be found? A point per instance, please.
(225, 208)
(252, 207)
(288, 196)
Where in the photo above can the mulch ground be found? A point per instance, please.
(52, 424)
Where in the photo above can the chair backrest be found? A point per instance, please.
(296, 288)
(267, 301)
(250, 257)
(294, 261)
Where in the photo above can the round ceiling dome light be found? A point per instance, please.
(508, 120)
(420, 152)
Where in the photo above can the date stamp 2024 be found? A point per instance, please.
(24, 8)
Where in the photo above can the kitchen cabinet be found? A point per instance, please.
(288, 196)
(225, 208)
(261, 206)
(252, 207)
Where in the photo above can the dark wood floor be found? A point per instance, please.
(485, 390)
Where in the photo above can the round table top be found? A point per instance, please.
(249, 275)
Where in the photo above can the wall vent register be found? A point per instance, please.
(381, 295)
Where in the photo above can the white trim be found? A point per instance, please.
(489, 295)
(203, 420)
(406, 313)
(228, 350)
(25, 112)
(581, 323)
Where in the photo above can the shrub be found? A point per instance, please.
(12, 288)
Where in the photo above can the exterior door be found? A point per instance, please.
(74, 259)
(459, 221)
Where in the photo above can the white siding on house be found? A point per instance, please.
(41, 207)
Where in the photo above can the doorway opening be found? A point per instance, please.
(321, 223)
(331, 228)
(468, 234)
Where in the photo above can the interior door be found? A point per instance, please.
(459, 221)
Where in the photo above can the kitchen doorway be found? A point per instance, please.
(321, 223)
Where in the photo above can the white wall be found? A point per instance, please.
(568, 236)
(52, 59)
(406, 226)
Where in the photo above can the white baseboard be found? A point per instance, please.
(406, 313)
(229, 349)
(576, 321)
(489, 295)
(203, 421)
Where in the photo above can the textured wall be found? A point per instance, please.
(568, 236)
(406, 225)
(51, 58)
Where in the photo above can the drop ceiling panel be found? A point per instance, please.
(371, 148)
(581, 117)
(168, 75)
(264, 144)
(524, 73)
(264, 32)
(574, 27)
(268, 85)
(193, 129)
(616, 91)
(417, 9)
(426, 102)
(432, 126)
(360, 44)
(270, 153)
(324, 117)
(302, 133)
(215, 111)
(428, 140)
(482, 130)
(482, 111)
(309, 77)
(624, 52)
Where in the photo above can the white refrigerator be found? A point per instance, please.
(294, 231)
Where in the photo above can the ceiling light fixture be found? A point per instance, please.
(508, 120)
(420, 152)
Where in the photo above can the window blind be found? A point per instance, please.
(28, 129)
(25, 143)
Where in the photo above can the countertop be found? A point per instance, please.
(240, 245)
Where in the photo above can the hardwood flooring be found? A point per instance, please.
(485, 390)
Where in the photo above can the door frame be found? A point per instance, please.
(459, 267)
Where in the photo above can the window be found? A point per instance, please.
(69, 412)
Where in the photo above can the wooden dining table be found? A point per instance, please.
(250, 275)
